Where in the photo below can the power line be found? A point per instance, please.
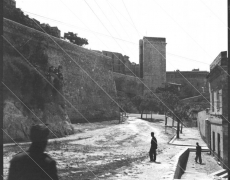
(188, 34)
(121, 62)
(178, 71)
(118, 19)
(70, 25)
(215, 15)
(134, 73)
(107, 18)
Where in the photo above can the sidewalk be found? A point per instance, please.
(194, 171)
(189, 137)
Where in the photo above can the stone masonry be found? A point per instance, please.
(81, 67)
(153, 61)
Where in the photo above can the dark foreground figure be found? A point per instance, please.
(198, 153)
(34, 164)
(153, 148)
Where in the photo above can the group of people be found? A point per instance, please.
(153, 148)
(34, 164)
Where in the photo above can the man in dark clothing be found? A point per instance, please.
(153, 148)
(34, 164)
(198, 153)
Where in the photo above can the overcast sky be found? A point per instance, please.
(195, 30)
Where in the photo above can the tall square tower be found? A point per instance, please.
(152, 58)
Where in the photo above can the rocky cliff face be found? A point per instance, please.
(32, 95)
(35, 93)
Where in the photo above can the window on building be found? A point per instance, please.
(218, 144)
(213, 140)
(212, 101)
(217, 101)
(220, 99)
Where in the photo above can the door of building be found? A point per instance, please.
(213, 141)
(218, 144)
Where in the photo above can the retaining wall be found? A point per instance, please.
(81, 69)
(181, 164)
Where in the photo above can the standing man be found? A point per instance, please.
(153, 148)
(198, 153)
(34, 164)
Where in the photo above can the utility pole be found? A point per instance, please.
(178, 128)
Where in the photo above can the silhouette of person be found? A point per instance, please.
(198, 153)
(153, 148)
(34, 164)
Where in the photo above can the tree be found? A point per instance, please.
(73, 38)
(182, 112)
(151, 103)
(168, 101)
(137, 101)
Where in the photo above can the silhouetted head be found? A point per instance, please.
(152, 134)
(197, 144)
(39, 137)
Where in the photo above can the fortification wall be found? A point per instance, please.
(78, 88)
(128, 84)
(153, 62)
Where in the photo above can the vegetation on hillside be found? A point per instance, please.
(17, 15)
(73, 38)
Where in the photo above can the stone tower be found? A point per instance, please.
(152, 58)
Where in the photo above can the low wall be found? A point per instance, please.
(181, 164)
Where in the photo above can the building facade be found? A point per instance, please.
(152, 59)
(196, 79)
(213, 124)
(121, 64)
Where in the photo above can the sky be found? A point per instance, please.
(195, 30)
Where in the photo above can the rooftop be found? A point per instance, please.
(159, 39)
(220, 60)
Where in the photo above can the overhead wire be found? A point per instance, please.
(93, 79)
(128, 41)
(40, 27)
(71, 25)
(182, 75)
(42, 75)
(107, 18)
(124, 64)
(178, 70)
(107, 1)
(214, 14)
(53, 87)
(188, 34)
(184, 78)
